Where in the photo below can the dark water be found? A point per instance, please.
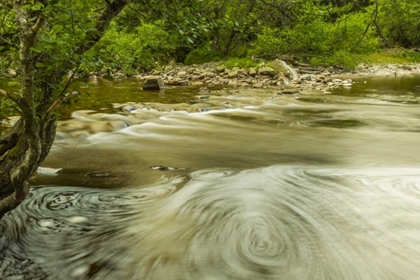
(251, 185)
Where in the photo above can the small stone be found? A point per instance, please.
(233, 74)
(267, 71)
(252, 72)
(182, 74)
(197, 83)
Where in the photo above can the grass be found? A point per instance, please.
(240, 62)
(392, 56)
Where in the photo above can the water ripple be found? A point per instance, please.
(279, 222)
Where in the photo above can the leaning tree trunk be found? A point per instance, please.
(16, 166)
(24, 145)
(27, 144)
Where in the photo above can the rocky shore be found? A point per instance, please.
(275, 74)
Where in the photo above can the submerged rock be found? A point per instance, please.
(99, 174)
(165, 168)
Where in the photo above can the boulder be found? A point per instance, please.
(153, 84)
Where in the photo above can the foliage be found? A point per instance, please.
(314, 36)
(145, 47)
(201, 55)
(325, 32)
(400, 22)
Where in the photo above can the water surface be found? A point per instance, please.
(246, 184)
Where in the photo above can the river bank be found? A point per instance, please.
(275, 74)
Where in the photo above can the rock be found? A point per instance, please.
(165, 168)
(203, 90)
(153, 84)
(129, 108)
(197, 83)
(288, 92)
(182, 74)
(252, 72)
(220, 68)
(267, 71)
(257, 85)
(406, 67)
(233, 74)
(306, 77)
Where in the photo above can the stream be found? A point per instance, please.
(242, 184)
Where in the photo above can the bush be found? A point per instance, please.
(316, 37)
(146, 47)
(201, 55)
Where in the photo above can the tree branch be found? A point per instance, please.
(103, 22)
(35, 28)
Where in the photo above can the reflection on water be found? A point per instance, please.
(268, 187)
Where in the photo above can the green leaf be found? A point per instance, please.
(36, 50)
(45, 38)
(38, 6)
(39, 64)
(56, 28)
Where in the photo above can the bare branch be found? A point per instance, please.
(35, 28)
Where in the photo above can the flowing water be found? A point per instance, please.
(246, 184)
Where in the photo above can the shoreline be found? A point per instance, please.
(274, 75)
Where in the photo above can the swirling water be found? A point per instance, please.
(262, 186)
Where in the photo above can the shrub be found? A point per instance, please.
(201, 55)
